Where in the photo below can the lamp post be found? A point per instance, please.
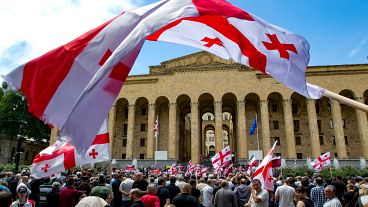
(19, 137)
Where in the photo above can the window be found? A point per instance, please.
(143, 127)
(328, 106)
(298, 141)
(294, 108)
(331, 124)
(275, 124)
(144, 111)
(123, 156)
(299, 155)
(346, 140)
(343, 124)
(277, 154)
(124, 142)
(319, 124)
(317, 108)
(141, 156)
(143, 142)
(321, 141)
(336, 154)
(274, 107)
(333, 140)
(125, 130)
(126, 111)
(278, 141)
(296, 126)
(209, 117)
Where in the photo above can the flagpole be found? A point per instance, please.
(346, 101)
(257, 133)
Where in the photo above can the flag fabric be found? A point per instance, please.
(253, 127)
(321, 161)
(156, 128)
(65, 85)
(264, 171)
(251, 164)
(222, 158)
(276, 162)
(228, 170)
(62, 155)
(130, 168)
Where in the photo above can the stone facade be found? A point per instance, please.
(8, 150)
(182, 92)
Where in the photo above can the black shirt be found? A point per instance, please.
(138, 203)
(174, 190)
(163, 194)
(141, 185)
(196, 193)
(185, 200)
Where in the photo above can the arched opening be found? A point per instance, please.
(229, 126)
(184, 126)
(162, 112)
(206, 112)
(120, 129)
(277, 123)
(251, 111)
(300, 119)
(140, 128)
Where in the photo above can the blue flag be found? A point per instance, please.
(253, 127)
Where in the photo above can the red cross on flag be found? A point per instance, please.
(321, 161)
(264, 171)
(222, 158)
(62, 155)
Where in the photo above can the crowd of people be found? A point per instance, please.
(121, 189)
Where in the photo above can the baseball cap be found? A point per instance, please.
(22, 189)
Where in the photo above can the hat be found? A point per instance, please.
(92, 201)
(22, 189)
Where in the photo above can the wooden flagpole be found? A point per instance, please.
(346, 101)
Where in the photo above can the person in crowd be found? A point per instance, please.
(23, 201)
(6, 198)
(195, 192)
(162, 192)
(285, 194)
(242, 192)
(350, 197)
(332, 200)
(173, 189)
(13, 185)
(140, 183)
(302, 200)
(207, 194)
(259, 196)
(115, 185)
(53, 197)
(4, 186)
(151, 199)
(306, 184)
(84, 185)
(340, 187)
(317, 193)
(363, 196)
(201, 184)
(69, 196)
(225, 197)
(100, 190)
(125, 188)
(185, 199)
(45, 188)
(92, 201)
(134, 196)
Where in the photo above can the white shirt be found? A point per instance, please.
(285, 194)
(207, 193)
(334, 202)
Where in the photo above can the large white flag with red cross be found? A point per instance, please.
(65, 85)
(222, 158)
(62, 155)
(321, 161)
(264, 171)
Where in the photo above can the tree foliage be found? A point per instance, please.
(15, 118)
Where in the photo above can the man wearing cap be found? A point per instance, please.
(259, 196)
(53, 197)
(23, 201)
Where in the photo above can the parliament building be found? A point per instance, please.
(204, 103)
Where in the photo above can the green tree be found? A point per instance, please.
(15, 118)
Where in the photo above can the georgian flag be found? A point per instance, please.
(264, 171)
(252, 163)
(65, 85)
(321, 161)
(62, 155)
(156, 128)
(222, 158)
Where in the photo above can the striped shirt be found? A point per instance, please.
(44, 189)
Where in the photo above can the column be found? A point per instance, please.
(265, 127)
(218, 125)
(241, 135)
(114, 144)
(313, 128)
(338, 129)
(363, 128)
(172, 144)
(54, 135)
(289, 129)
(150, 134)
(194, 137)
(130, 135)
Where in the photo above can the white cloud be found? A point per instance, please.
(31, 28)
(359, 47)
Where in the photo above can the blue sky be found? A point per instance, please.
(337, 31)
